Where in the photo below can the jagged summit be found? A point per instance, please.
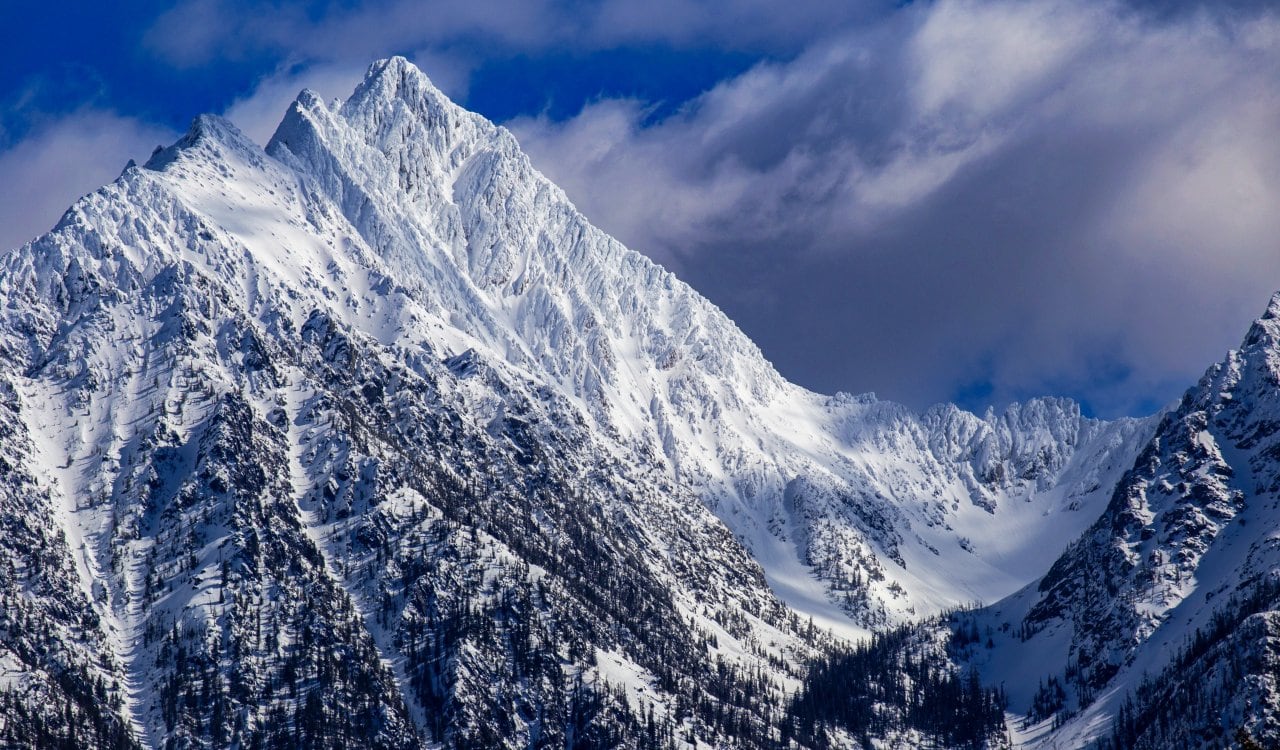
(394, 92)
(376, 409)
(1265, 331)
(397, 78)
(1162, 612)
(412, 220)
(209, 133)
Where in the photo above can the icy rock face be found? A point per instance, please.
(458, 215)
(1151, 605)
(257, 492)
(375, 419)
(1210, 459)
(60, 679)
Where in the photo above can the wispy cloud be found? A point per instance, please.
(922, 199)
(1043, 195)
(195, 32)
(62, 159)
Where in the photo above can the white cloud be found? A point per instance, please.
(196, 31)
(1044, 194)
(66, 158)
(258, 113)
(980, 57)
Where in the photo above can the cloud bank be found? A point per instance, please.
(972, 199)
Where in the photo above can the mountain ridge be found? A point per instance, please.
(1144, 613)
(382, 380)
(720, 350)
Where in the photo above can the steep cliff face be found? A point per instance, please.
(372, 435)
(458, 216)
(1143, 618)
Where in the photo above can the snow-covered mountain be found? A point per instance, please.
(373, 418)
(497, 261)
(1160, 622)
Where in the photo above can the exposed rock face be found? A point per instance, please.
(370, 434)
(1145, 616)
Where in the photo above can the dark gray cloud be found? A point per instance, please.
(959, 197)
(1031, 196)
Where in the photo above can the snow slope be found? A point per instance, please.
(851, 487)
(1164, 609)
(381, 381)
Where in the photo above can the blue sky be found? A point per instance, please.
(979, 200)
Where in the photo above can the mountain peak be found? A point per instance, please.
(397, 79)
(396, 68)
(1273, 308)
(1265, 331)
(209, 133)
(394, 75)
(396, 105)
